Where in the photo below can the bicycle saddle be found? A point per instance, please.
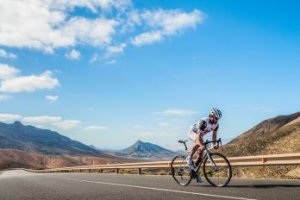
(182, 141)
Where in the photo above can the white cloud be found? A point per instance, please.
(9, 117)
(93, 5)
(96, 32)
(109, 54)
(7, 71)
(114, 50)
(96, 128)
(147, 38)
(166, 23)
(41, 119)
(48, 121)
(5, 54)
(67, 124)
(11, 82)
(39, 126)
(29, 83)
(172, 21)
(51, 98)
(133, 19)
(176, 112)
(4, 97)
(19, 19)
(73, 55)
(112, 22)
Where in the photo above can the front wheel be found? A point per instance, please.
(180, 170)
(217, 170)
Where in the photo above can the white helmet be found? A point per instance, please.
(215, 112)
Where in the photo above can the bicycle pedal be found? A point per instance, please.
(193, 174)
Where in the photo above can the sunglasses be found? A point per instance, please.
(215, 118)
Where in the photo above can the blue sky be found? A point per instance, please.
(110, 72)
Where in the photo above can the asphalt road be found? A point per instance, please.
(18, 184)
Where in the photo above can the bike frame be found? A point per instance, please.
(206, 154)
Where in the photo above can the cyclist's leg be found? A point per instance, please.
(193, 136)
(200, 155)
(189, 159)
(194, 149)
(199, 179)
(199, 151)
(198, 144)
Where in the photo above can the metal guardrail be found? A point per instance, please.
(260, 160)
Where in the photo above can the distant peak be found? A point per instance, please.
(17, 123)
(139, 142)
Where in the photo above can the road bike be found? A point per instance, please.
(216, 167)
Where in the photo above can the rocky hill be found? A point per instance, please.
(12, 158)
(30, 147)
(147, 151)
(280, 134)
(42, 141)
(277, 135)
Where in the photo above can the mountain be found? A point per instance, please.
(12, 158)
(31, 147)
(42, 141)
(277, 135)
(147, 151)
(280, 134)
(93, 147)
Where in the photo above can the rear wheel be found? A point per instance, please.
(217, 170)
(180, 170)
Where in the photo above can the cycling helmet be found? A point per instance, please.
(215, 112)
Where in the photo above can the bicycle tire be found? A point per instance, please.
(180, 170)
(211, 174)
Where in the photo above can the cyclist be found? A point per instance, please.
(199, 130)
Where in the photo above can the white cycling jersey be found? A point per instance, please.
(203, 126)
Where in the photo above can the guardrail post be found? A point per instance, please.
(263, 160)
(140, 171)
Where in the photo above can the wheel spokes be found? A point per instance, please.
(217, 170)
(180, 171)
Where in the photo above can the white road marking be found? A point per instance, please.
(159, 189)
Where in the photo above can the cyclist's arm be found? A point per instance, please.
(215, 134)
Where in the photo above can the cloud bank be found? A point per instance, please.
(111, 25)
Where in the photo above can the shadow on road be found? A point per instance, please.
(263, 186)
(254, 186)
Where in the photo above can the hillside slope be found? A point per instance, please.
(147, 151)
(12, 158)
(273, 136)
(42, 141)
(30, 147)
(276, 135)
